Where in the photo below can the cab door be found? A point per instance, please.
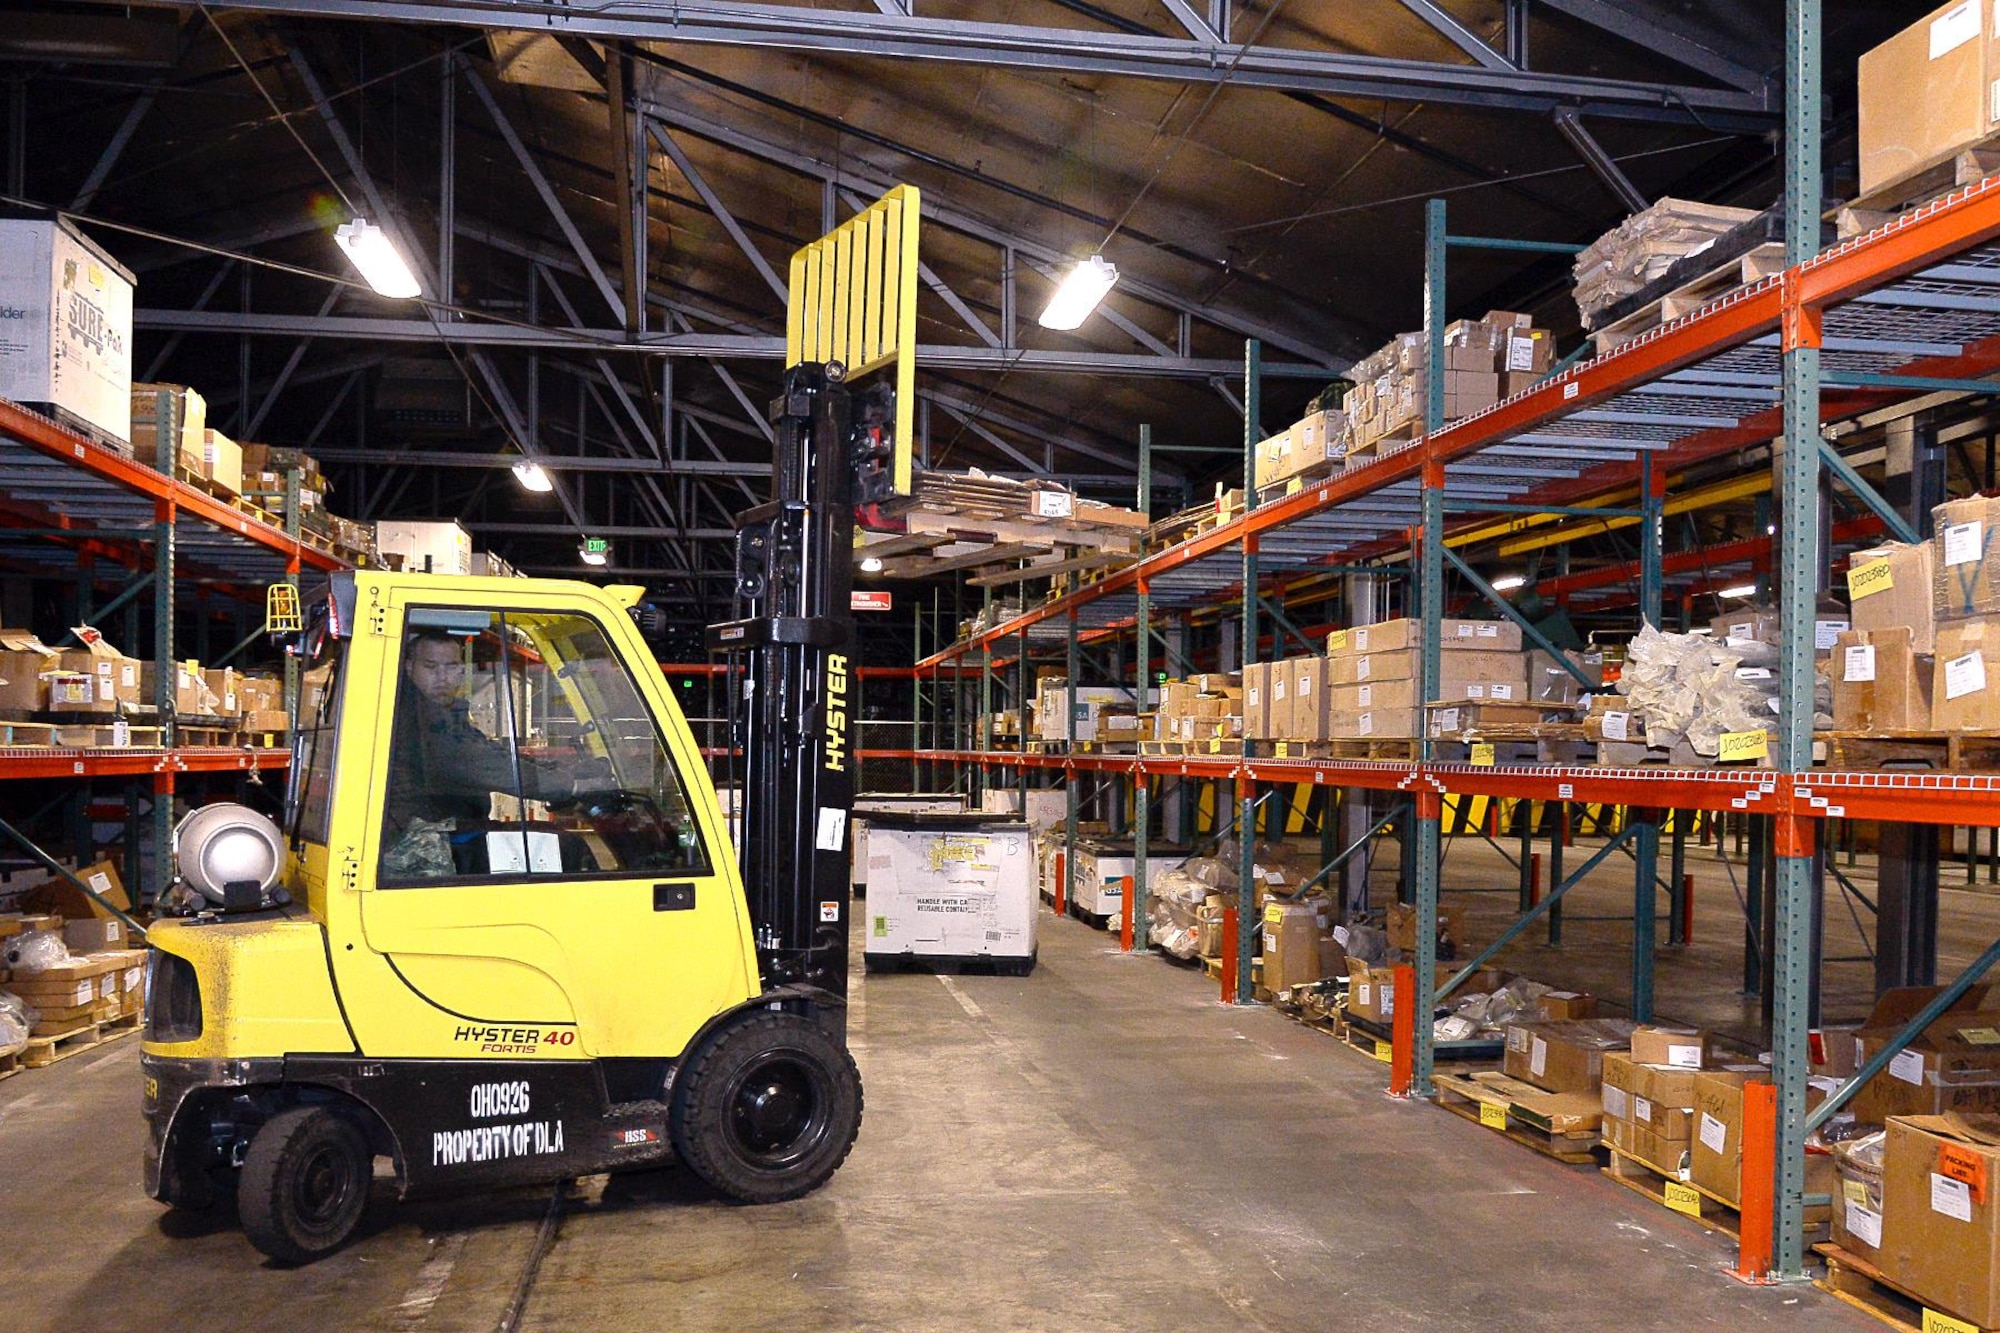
(545, 876)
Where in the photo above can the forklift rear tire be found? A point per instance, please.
(768, 1109)
(305, 1183)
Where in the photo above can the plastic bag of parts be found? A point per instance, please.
(1515, 1002)
(1366, 944)
(36, 951)
(1687, 687)
(1864, 1152)
(1454, 1028)
(1171, 922)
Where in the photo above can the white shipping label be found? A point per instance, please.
(1277, 689)
(1054, 504)
(1964, 675)
(1684, 1057)
(1250, 696)
(832, 834)
(1642, 1109)
(106, 691)
(1448, 719)
(1858, 662)
(1365, 696)
(1361, 668)
(1954, 28)
(1617, 726)
(1364, 995)
(1742, 629)
(1517, 1039)
(1951, 1197)
(1488, 631)
(1388, 999)
(1340, 936)
(1826, 631)
(1961, 542)
(121, 733)
(1864, 1224)
(1365, 724)
(1615, 1104)
(1520, 354)
(1538, 1057)
(1753, 673)
(1475, 691)
(1714, 1134)
(1503, 691)
(1908, 1066)
(1993, 109)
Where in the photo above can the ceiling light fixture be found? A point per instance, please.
(595, 551)
(1509, 582)
(1740, 590)
(371, 251)
(1079, 293)
(871, 564)
(531, 476)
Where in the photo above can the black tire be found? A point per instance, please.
(305, 1183)
(767, 1109)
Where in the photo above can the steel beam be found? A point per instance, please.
(113, 150)
(1623, 19)
(722, 214)
(1601, 164)
(1057, 50)
(1441, 21)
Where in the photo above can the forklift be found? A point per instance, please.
(503, 935)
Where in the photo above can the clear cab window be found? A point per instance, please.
(521, 747)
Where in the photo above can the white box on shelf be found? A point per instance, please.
(65, 325)
(950, 888)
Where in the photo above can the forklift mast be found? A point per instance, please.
(794, 694)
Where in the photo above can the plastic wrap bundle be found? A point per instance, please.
(1692, 687)
(35, 951)
(1512, 1003)
(16, 1021)
(1364, 943)
(1173, 923)
(1643, 247)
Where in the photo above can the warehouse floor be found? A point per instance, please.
(1099, 1146)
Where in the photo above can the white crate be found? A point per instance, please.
(427, 547)
(65, 325)
(892, 802)
(950, 889)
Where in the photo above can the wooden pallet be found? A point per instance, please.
(41, 1052)
(1667, 1189)
(78, 735)
(1484, 1099)
(1367, 747)
(10, 1065)
(1943, 750)
(1856, 1282)
(1691, 296)
(1885, 203)
(1360, 453)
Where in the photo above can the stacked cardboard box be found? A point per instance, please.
(1643, 247)
(25, 662)
(1953, 1066)
(1940, 1219)
(1372, 671)
(1880, 681)
(1485, 360)
(1304, 447)
(1564, 1056)
(261, 704)
(189, 407)
(1924, 95)
(191, 696)
(95, 679)
(1715, 1147)
(1204, 709)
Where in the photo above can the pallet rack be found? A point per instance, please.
(1910, 308)
(72, 505)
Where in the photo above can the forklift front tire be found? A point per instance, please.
(305, 1182)
(768, 1109)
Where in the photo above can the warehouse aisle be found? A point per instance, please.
(1098, 1146)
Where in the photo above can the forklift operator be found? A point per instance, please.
(441, 766)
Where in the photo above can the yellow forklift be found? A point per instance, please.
(504, 934)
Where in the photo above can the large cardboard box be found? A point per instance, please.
(1716, 1150)
(1857, 1207)
(1564, 1057)
(952, 887)
(1675, 1048)
(1257, 701)
(1965, 675)
(1453, 636)
(1927, 92)
(1906, 1089)
(1378, 724)
(24, 662)
(221, 683)
(1879, 681)
(189, 407)
(222, 462)
(1953, 1066)
(1941, 1214)
(1371, 991)
(1966, 556)
(113, 677)
(62, 898)
(1456, 671)
(67, 338)
(1291, 944)
(191, 696)
(1311, 699)
(1902, 597)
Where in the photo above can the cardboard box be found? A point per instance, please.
(1926, 93)
(221, 683)
(1291, 944)
(1746, 624)
(1857, 1202)
(191, 696)
(222, 461)
(1617, 1077)
(1903, 598)
(1256, 701)
(1879, 682)
(1663, 1101)
(68, 341)
(24, 663)
(1563, 1006)
(1456, 671)
(1716, 1149)
(1965, 676)
(1401, 927)
(1910, 1087)
(1311, 700)
(1564, 1057)
(1453, 636)
(1378, 724)
(112, 677)
(1941, 1214)
(63, 899)
(1675, 1048)
(1966, 556)
(189, 407)
(1371, 991)
(94, 935)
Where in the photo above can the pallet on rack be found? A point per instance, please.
(1856, 1282)
(1397, 438)
(1507, 1107)
(1943, 750)
(1709, 287)
(1401, 748)
(49, 733)
(1885, 203)
(1667, 1189)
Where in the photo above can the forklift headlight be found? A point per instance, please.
(173, 998)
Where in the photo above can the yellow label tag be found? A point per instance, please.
(1741, 746)
(1295, 485)
(1274, 915)
(1980, 1036)
(1491, 1116)
(1855, 1191)
(1215, 745)
(1384, 1051)
(1283, 749)
(1944, 1323)
(1336, 642)
(1869, 579)
(1482, 753)
(1683, 1198)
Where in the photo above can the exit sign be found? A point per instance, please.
(596, 545)
(869, 601)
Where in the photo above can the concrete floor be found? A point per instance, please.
(1097, 1146)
